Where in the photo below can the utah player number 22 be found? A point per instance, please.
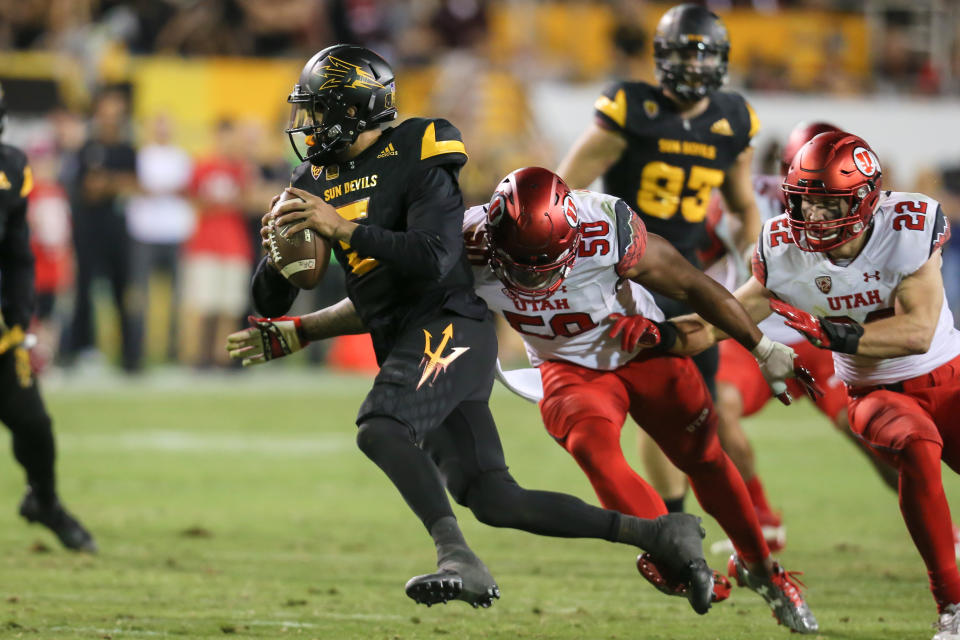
(662, 183)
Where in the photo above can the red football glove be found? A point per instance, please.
(641, 331)
(843, 337)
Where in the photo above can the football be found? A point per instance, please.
(302, 257)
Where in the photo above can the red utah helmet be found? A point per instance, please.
(801, 134)
(835, 164)
(533, 231)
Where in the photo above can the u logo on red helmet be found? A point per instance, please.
(496, 209)
(866, 161)
(570, 211)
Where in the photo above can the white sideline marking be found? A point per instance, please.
(183, 441)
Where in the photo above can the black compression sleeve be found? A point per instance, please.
(272, 294)
(433, 241)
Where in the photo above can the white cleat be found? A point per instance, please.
(948, 626)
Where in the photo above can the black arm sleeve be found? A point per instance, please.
(433, 240)
(16, 269)
(272, 294)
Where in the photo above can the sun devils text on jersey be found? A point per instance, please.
(671, 165)
(394, 186)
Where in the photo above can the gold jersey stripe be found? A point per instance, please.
(615, 109)
(754, 120)
(430, 147)
(27, 182)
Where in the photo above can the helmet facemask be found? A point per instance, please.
(691, 71)
(825, 235)
(321, 126)
(531, 282)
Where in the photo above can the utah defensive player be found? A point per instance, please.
(664, 149)
(571, 272)
(389, 200)
(857, 271)
(741, 389)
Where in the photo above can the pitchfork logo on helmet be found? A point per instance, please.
(836, 165)
(533, 231)
(343, 91)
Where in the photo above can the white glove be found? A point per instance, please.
(266, 339)
(776, 365)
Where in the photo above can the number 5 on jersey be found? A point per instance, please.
(356, 210)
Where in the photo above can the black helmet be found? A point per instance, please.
(690, 49)
(332, 81)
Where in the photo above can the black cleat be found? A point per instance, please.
(678, 552)
(71, 533)
(464, 579)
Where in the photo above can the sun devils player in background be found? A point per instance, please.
(21, 407)
(857, 271)
(572, 273)
(390, 201)
(663, 150)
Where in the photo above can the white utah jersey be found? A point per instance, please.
(907, 228)
(572, 323)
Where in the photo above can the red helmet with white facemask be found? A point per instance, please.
(533, 232)
(833, 164)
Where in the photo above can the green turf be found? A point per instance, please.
(223, 509)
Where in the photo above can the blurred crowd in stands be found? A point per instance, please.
(914, 52)
(147, 248)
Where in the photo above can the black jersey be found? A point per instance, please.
(406, 259)
(671, 165)
(16, 259)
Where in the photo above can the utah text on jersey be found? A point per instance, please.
(572, 324)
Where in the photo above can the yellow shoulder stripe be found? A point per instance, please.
(754, 120)
(615, 109)
(27, 182)
(430, 147)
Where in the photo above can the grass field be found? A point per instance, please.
(241, 507)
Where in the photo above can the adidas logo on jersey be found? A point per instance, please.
(721, 127)
(388, 151)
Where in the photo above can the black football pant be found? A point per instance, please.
(461, 448)
(23, 413)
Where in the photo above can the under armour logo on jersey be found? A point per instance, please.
(867, 276)
(433, 362)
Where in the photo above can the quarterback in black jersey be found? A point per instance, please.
(664, 149)
(21, 407)
(389, 200)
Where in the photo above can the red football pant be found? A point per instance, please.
(739, 368)
(584, 410)
(913, 431)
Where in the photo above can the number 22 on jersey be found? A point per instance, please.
(661, 185)
(356, 210)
